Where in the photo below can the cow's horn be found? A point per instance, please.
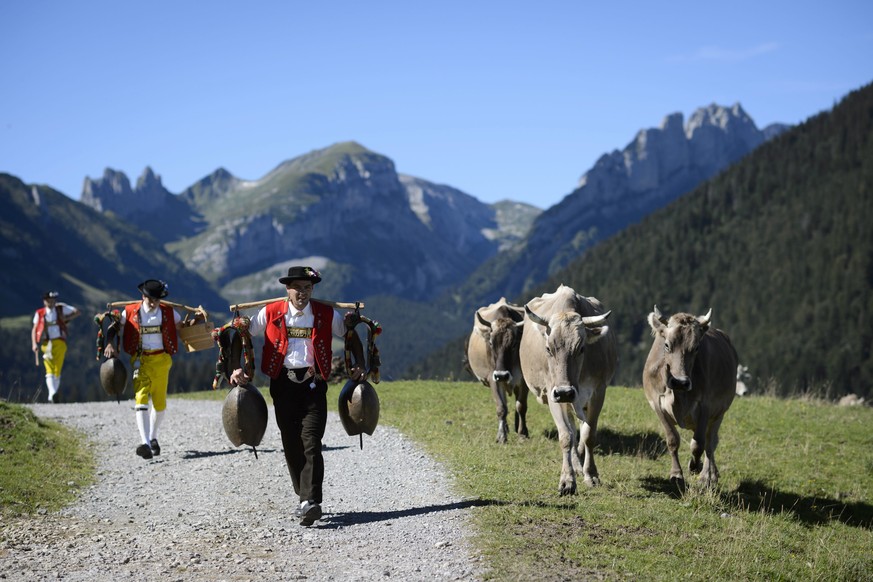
(595, 320)
(535, 318)
(483, 321)
(704, 321)
(658, 315)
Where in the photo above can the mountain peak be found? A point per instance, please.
(148, 181)
(720, 117)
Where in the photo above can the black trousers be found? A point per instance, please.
(301, 413)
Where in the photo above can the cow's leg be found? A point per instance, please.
(698, 441)
(521, 392)
(588, 434)
(671, 436)
(694, 464)
(567, 441)
(499, 395)
(709, 474)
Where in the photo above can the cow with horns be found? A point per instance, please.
(568, 358)
(690, 382)
(492, 355)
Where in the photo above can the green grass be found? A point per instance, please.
(793, 502)
(42, 463)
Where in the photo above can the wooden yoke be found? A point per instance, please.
(334, 304)
(199, 309)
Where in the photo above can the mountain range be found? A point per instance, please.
(342, 208)
(397, 239)
(656, 167)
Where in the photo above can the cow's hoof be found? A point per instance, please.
(678, 481)
(592, 481)
(694, 467)
(708, 480)
(567, 489)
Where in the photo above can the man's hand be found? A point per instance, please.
(239, 377)
(109, 351)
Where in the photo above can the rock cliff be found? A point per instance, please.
(622, 187)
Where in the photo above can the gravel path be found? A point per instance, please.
(204, 510)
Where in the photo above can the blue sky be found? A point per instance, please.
(503, 100)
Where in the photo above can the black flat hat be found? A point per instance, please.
(153, 288)
(298, 273)
(50, 295)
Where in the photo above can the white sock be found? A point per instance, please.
(156, 418)
(52, 384)
(142, 421)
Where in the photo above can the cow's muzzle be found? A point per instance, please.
(678, 383)
(502, 376)
(563, 393)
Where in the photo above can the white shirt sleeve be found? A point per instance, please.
(338, 326)
(258, 323)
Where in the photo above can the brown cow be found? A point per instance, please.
(690, 381)
(492, 353)
(568, 358)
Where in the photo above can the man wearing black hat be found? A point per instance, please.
(297, 357)
(150, 334)
(49, 334)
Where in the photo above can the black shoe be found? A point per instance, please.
(309, 513)
(144, 451)
(56, 398)
(156, 448)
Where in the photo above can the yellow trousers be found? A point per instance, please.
(151, 380)
(55, 360)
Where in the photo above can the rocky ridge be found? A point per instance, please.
(235, 228)
(622, 187)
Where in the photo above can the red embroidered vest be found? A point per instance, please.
(276, 338)
(40, 323)
(132, 324)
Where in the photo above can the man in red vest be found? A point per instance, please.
(297, 357)
(150, 335)
(49, 334)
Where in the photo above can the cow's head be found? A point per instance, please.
(503, 337)
(566, 334)
(680, 338)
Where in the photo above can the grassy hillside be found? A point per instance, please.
(42, 463)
